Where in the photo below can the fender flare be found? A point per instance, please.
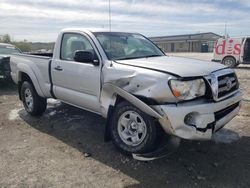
(23, 68)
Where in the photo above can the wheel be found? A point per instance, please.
(230, 62)
(133, 131)
(33, 103)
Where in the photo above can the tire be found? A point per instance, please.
(133, 131)
(230, 62)
(32, 102)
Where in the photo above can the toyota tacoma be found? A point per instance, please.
(128, 80)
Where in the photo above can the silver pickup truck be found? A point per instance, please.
(129, 81)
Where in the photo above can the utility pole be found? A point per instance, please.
(109, 17)
(225, 30)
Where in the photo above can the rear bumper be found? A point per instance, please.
(198, 120)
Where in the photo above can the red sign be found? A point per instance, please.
(228, 47)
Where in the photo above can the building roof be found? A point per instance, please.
(198, 36)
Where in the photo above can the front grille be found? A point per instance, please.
(222, 113)
(227, 84)
(221, 84)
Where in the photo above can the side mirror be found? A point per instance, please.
(85, 57)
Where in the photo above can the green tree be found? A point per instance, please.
(23, 45)
(6, 38)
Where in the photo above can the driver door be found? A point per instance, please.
(77, 83)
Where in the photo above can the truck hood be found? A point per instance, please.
(179, 66)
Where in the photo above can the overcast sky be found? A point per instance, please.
(41, 20)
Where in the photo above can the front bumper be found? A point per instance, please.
(198, 120)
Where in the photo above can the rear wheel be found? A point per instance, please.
(133, 131)
(33, 103)
(229, 61)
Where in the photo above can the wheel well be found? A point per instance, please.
(229, 56)
(107, 136)
(120, 99)
(23, 77)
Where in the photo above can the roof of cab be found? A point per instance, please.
(86, 29)
(92, 30)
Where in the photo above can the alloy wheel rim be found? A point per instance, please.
(229, 62)
(132, 128)
(28, 99)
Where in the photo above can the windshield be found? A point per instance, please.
(8, 50)
(118, 46)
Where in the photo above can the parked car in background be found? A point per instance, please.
(232, 51)
(5, 51)
(129, 81)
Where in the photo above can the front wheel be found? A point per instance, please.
(33, 103)
(133, 131)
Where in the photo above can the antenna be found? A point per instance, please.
(225, 30)
(111, 63)
(109, 17)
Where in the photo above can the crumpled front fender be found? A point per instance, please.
(109, 96)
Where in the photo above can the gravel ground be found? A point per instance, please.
(65, 148)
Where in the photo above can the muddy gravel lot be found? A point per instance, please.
(65, 148)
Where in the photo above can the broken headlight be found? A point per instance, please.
(187, 90)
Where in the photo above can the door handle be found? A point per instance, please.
(58, 68)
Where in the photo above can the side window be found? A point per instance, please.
(72, 43)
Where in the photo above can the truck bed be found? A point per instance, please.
(33, 64)
(41, 54)
(36, 55)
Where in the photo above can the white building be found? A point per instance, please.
(201, 42)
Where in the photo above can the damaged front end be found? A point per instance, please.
(198, 120)
(149, 91)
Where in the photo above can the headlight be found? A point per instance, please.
(187, 90)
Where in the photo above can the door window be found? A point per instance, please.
(72, 43)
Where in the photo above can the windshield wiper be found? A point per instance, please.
(155, 55)
(129, 58)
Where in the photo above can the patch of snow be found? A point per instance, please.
(225, 136)
(52, 113)
(13, 115)
(53, 101)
